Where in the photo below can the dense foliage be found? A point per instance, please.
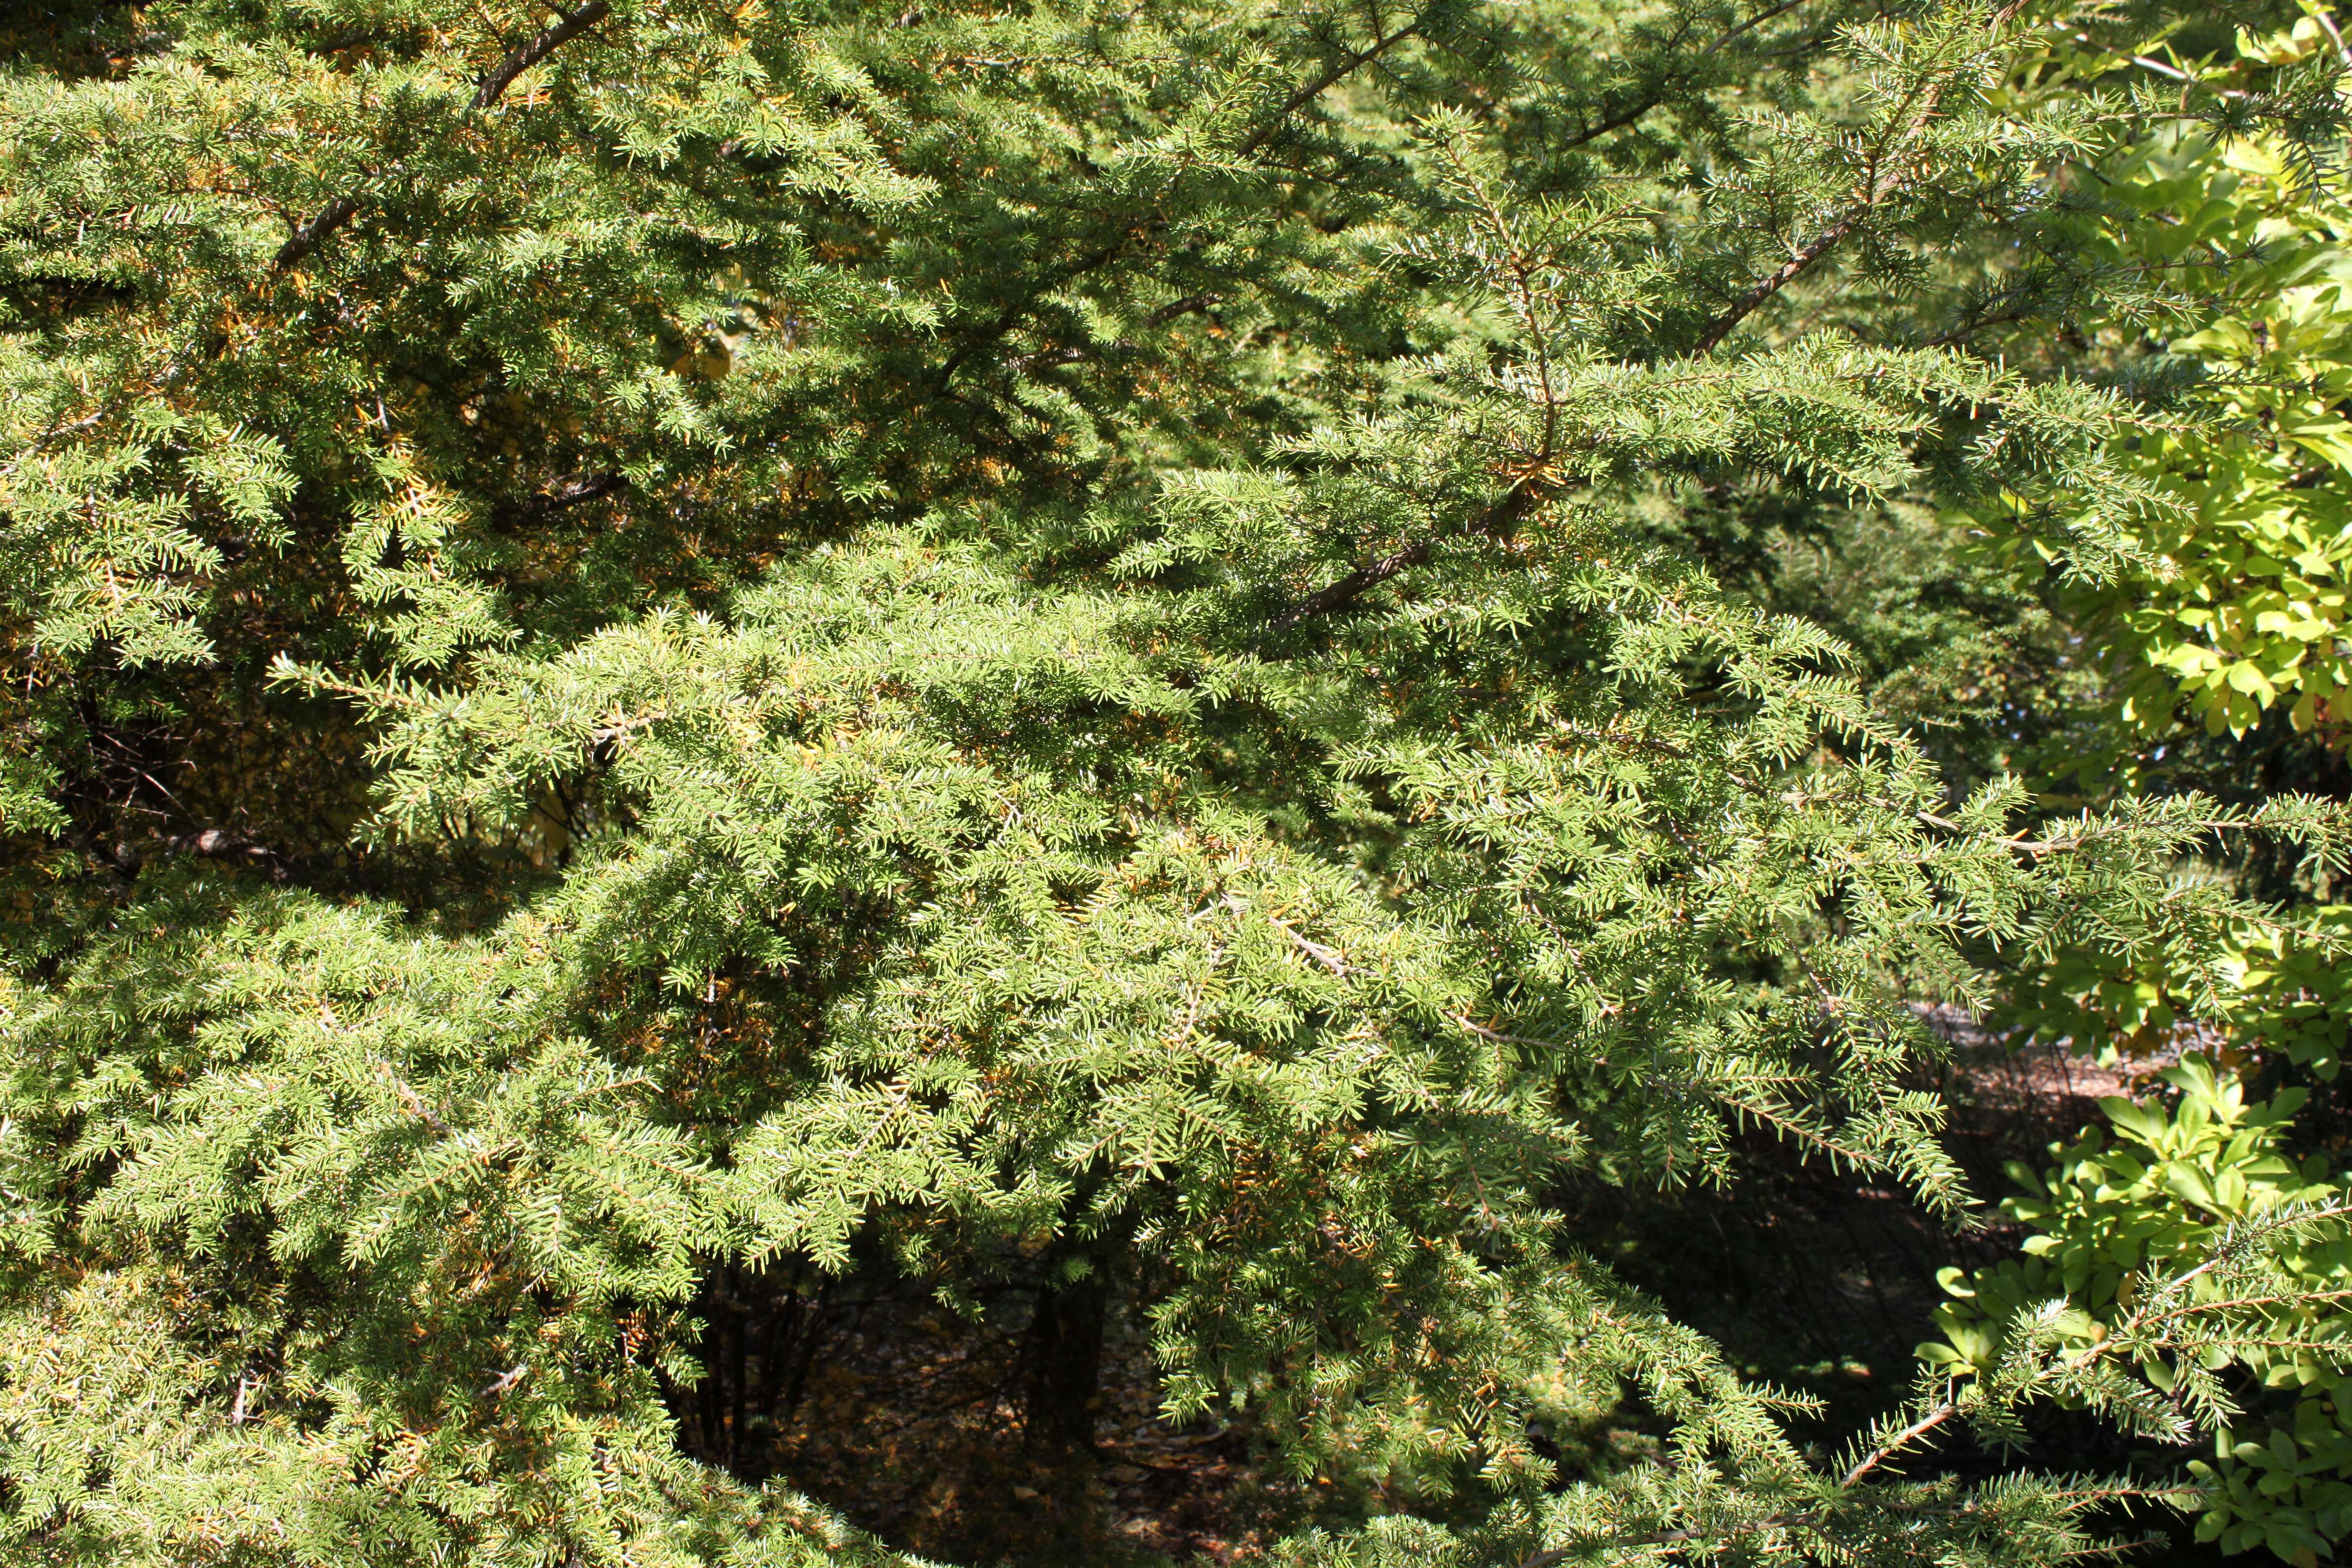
(1172, 659)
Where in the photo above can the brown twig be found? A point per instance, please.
(579, 491)
(1895, 1445)
(506, 1380)
(308, 238)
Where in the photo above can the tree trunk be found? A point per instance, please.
(1064, 1363)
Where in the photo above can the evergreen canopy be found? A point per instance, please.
(1047, 638)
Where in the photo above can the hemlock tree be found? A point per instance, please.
(1044, 641)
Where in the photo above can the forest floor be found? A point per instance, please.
(908, 1419)
(912, 1427)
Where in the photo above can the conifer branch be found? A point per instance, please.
(1012, 315)
(1779, 277)
(525, 56)
(340, 210)
(1499, 519)
(1641, 108)
(1893, 175)
(1347, 66)
(1820, 1519)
